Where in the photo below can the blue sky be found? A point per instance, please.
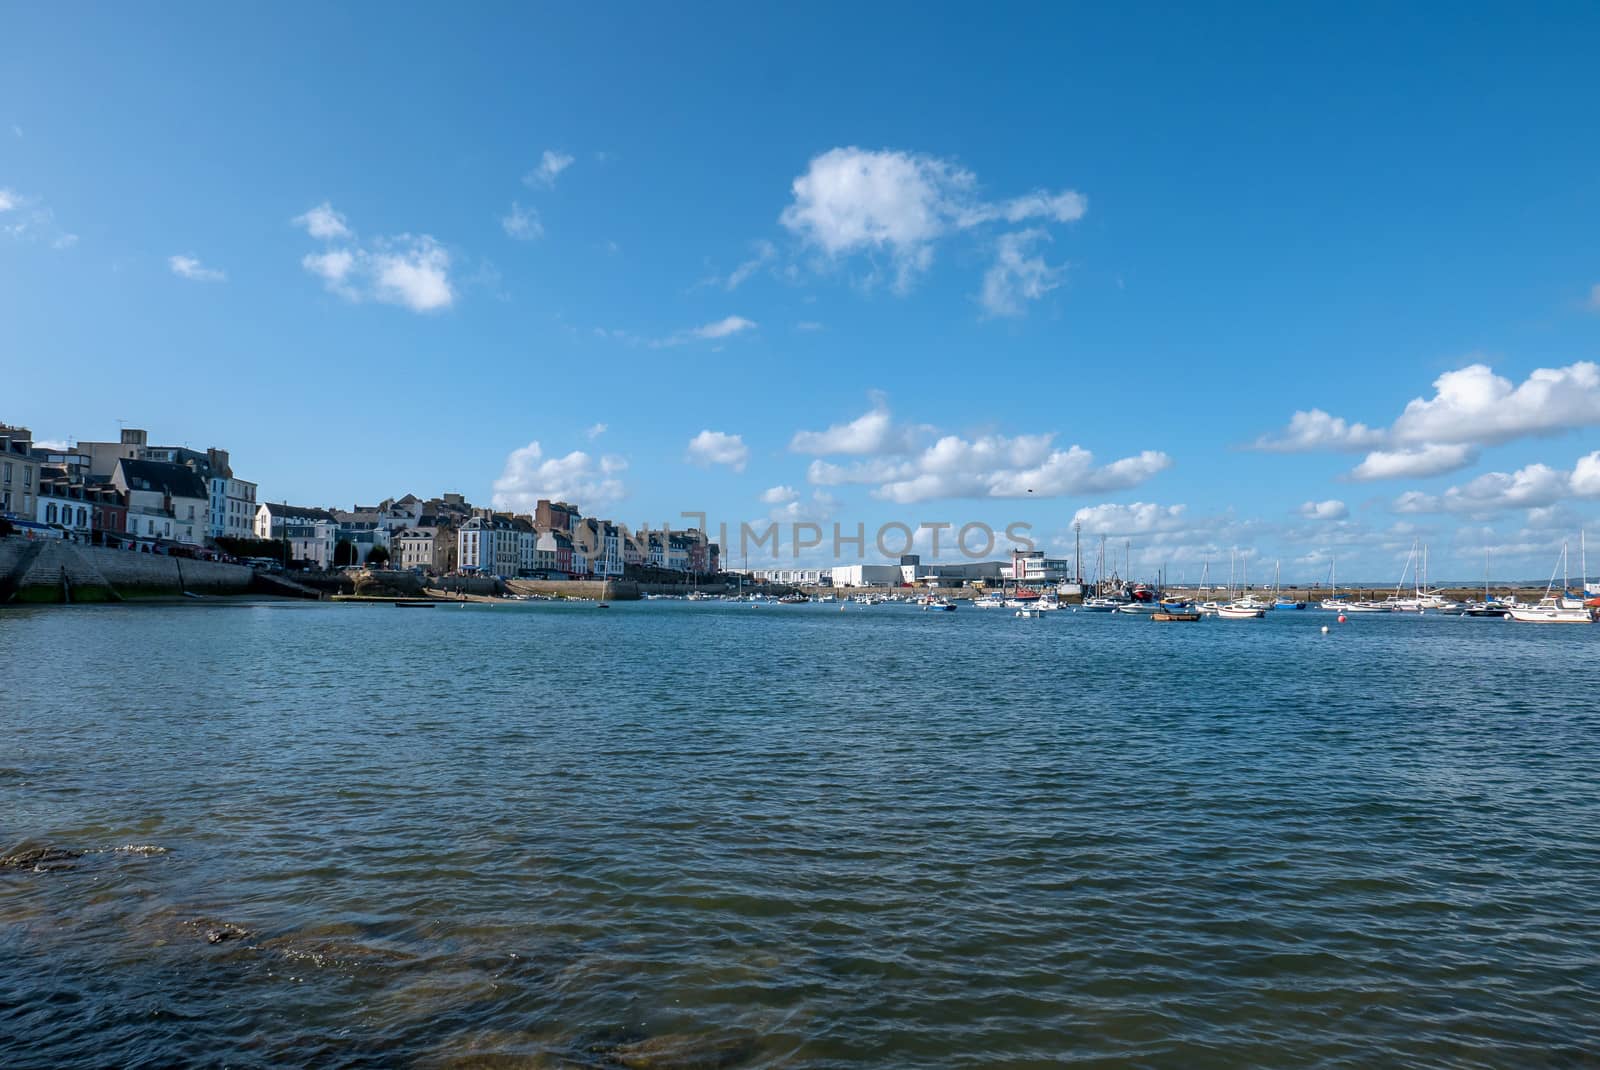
(377, 250)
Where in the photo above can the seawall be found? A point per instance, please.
(54, 570)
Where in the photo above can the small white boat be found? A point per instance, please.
(1031, 613)
(989, 601)
(1241, 611)
(1550, 611)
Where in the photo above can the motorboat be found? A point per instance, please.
(1241, 610)
(939, 604)
(1165, 616)
(1028, 613)
(988, 601)
(1553, 609)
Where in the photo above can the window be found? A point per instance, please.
(7, 472)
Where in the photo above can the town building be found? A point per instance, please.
(230, 501)
(490, 544)
(19, 473)
(310, 534)
(1032, 566)
(867, 575)
(415, 549)
(166, 501)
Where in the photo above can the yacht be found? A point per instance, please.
(1552, 609)
(988, 601)
(1241, 610)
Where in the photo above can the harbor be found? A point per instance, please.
(843, 845)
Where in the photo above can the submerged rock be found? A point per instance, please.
(681, 1051)
(40, 859)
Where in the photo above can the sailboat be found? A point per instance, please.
(1552, 610)
(1245, 608)
(1334, 602)
(1278, 601)
(1488, 607)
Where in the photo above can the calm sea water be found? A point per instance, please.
(677, 835)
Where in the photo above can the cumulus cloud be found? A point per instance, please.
(1332, 509)
(1136, 518)
(717, 447)
(412, 271)
(10, 200)
(551, 164)
(522, 223)
(1471, 406)
(1413, 462)
(853, 200)
(1016, 277)
(190, 267)
(779, 494)
(595, 431)
(871, 432)
(1528, 487)
(1314, 429)
(577, 477)
(1534, 486)
(324, 223)
(995, 466)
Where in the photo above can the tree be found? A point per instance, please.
(345, 553)
(378, 556)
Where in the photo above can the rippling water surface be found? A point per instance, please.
(677, 835)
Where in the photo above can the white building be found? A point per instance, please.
(1031, 566)
(866, 575)
(165, 500)
(233, 507)
(489, 544)
(415, 546)
(57, 506)
(310, 533)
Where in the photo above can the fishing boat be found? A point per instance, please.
(988, 601)
(793, 598)
(1551, 609)
(940, 604)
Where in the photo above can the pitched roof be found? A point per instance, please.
(281, 510)
(176, 480)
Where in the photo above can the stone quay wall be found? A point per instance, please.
(54, 570)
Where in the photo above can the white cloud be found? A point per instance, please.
(577, 477)
(1413, 463)
(1410, 464)
(817, 508)
(522, 223)
(765, 252)
(1470, 406)
(1532, 486)
(551, 164)
(994, 466)
(595, 431)
(717, 447)
(728, 325)
(412, 271)
(779, 495)
(853, 200)
(324, 223)
(10, 200)
(1015, 276)
(871, 432)
(1586, 476)
(190, 267)
(1332, 509)
(1137, 518)
(1314, 429)
(1473, 404)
